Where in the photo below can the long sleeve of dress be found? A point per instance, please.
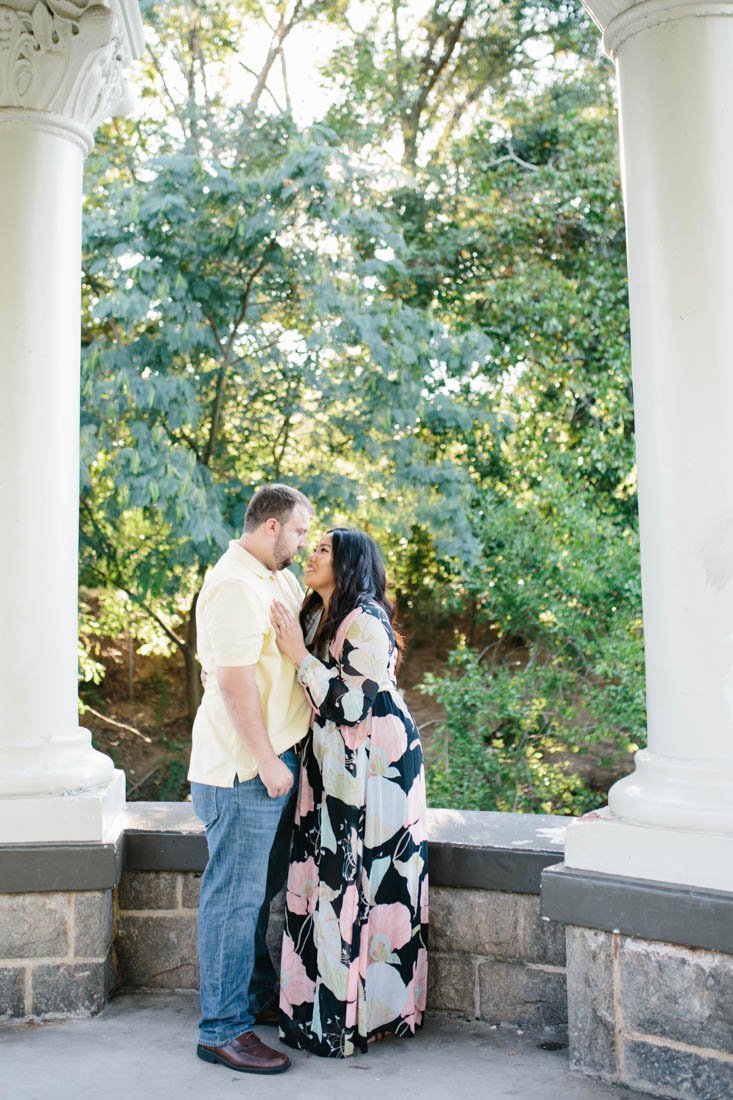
(345, 693)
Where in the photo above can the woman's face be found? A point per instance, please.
(319, 567)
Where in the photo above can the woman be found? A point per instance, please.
(354, 966)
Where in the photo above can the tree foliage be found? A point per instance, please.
(414, 307)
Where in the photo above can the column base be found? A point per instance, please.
(63, 765)
(666, 792)
(88, 815)
(602, 842)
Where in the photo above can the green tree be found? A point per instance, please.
(237, 330)
(415, 309)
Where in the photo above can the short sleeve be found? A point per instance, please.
(236, 632)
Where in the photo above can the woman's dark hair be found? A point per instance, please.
(359, 576)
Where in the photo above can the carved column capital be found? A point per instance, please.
(66, 59)
(621, 19)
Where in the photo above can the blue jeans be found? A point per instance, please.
(248, 836)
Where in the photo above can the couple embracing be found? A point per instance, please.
(306, 768)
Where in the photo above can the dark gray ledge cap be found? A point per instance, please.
(489, 851)
(163, 836)
(666, 912)
(36, 868)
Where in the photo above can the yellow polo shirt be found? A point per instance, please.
(234, 629)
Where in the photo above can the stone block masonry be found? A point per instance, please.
(493, 958)
(55, 954)
(649, 982)
(63, 948)
(646, 989)
(156, 930)
(656, 1016)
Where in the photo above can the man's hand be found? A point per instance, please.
(276, 776)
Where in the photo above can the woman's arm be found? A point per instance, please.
(344, 694)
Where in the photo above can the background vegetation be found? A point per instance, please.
(399, 284)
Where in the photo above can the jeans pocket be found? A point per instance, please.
(205, 803)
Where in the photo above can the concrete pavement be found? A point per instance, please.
(143, 1048)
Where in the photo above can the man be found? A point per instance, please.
(243, 772)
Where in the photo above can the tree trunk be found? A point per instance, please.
(193, 672)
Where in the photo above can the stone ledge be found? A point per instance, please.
(493, 851)
(468, 848)
(35, 868)
(682, 915)
(163, 836)
(473, 849)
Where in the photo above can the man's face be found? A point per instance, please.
(292, 536)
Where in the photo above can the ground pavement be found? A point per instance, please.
(143, 1048)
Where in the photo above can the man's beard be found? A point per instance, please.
(280, 557)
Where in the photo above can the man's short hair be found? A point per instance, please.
(274, 501)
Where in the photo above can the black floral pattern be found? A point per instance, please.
(355, 944)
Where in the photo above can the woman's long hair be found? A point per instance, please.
(359, 576)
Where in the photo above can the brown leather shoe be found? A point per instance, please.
(268, 1016)
(246, 1054)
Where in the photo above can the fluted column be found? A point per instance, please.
(61, 73)
(672, 819)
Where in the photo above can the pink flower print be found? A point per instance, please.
(415, 811)
(389, 929)
(302, 889)
(424, 901)
(347, 916)
(354, 736)
(306, 801)
(417, 990)
(421, 979)
(295, 985)
(389, 742)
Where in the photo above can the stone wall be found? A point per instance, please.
(492, 956)
(655, 1016)
(78, 920)
(650, 982)
(55, 953)
(648, 993)
(156, 930)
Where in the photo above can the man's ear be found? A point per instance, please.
(272, 525)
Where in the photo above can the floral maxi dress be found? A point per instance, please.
(354, 959)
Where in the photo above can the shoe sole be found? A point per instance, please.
(215, 1059)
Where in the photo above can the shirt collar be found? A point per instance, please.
(252, 563)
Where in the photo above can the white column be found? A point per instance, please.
(61, 73)
(672, 819)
